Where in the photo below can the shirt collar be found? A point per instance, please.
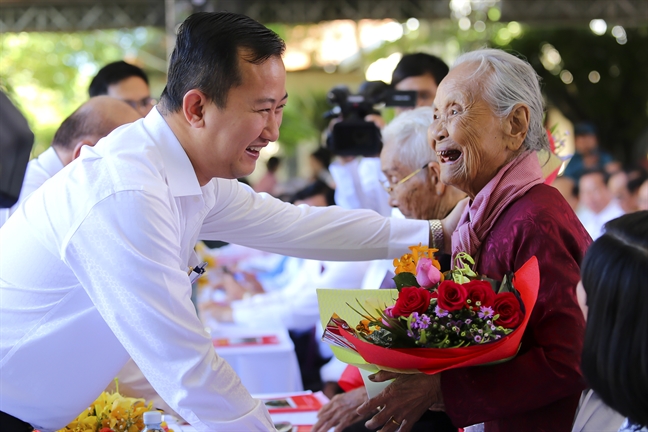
(180, 174)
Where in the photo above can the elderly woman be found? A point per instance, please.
(486, 131)
(413, 182)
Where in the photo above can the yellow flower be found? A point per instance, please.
(120, 413)
(405, 264)
(363, 327)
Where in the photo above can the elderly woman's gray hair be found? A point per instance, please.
(509, 81)
(409, 133)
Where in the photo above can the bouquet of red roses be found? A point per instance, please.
(441, 320)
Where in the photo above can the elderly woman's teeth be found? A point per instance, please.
(448, 155)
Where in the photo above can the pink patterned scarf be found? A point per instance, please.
(510, 183)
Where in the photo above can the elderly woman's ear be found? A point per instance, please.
(434, 173)
(516, 126)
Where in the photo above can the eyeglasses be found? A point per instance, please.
(142, 103)
(386, 184)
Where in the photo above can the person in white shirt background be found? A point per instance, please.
(596, 203)
(94, 267)
(89, 123)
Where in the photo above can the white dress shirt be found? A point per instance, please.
(594, 222)
(38, 171)
(93, 270)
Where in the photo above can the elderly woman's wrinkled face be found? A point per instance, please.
(415, 198)
(466, 134)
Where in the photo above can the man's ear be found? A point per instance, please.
(193, 107)
(434, 172)
(77, 148)
(516, 126)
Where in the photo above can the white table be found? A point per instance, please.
(263, 368)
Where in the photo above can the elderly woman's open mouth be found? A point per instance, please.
(449, 155)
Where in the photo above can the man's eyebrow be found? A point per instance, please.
(271, 100)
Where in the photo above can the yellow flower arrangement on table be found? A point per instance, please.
(112, 412)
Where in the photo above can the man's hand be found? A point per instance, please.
(403, 402)
(340, 412)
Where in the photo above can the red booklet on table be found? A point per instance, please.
(297, 403)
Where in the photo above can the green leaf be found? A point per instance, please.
(405, 280)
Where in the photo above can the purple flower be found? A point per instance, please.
(424, 322)
(468, 321)
(388, 311)
(486, 312)
(410, 333)
(440, 312)
(478, 338)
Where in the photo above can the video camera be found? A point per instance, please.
(353, 135)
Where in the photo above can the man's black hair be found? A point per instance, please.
(113, 73)
(418, 64)
(207, 51)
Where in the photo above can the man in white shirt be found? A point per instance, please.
(94, 266)
(90, 122)
(597, 205)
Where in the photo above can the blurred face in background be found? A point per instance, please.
(135, 92)
(425, 87)
(413, 197)
(618, 186)
(593, 192)
(642, 196)
(585, 144)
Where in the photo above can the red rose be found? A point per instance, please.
(507, 306)
(452, 296)
(411, 299)
(479, 291)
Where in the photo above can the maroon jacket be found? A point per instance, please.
(539, 389)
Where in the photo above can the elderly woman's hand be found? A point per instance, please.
(403, 402)
(340, 412)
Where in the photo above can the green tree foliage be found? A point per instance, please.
(47, 74)
(617, 103)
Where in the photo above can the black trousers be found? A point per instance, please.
(9, 423)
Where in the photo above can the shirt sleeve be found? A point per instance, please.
(322, 233)
(125, 253)
(546, 369)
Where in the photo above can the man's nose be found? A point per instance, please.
(271, 130)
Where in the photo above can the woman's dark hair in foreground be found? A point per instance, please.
(615, 353)
(207, 51)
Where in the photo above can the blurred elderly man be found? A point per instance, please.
(84, 127)
(486, 131)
